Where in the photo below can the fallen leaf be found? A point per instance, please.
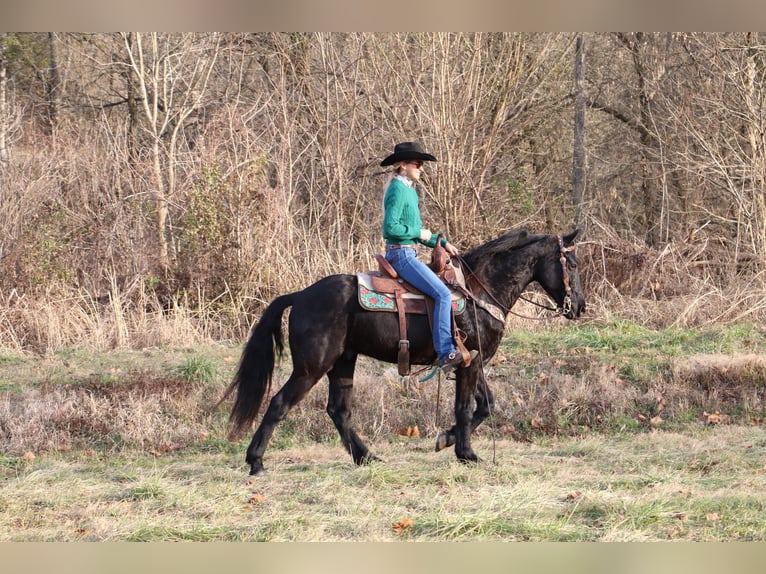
(164, 449)
(660, 404)
(712, 517)
(29, 455)
(656, 420)
(413, 431)
(682, 516)
(712, 418)
(400, 526)
(574, 495)
(257, 499)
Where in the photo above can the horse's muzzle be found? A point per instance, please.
(572, 309)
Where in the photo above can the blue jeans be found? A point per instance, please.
(404, 260)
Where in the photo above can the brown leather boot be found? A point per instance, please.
(455, 360)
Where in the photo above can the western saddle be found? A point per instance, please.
(387, 281)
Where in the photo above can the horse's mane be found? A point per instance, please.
(482, 255)
(512, 240)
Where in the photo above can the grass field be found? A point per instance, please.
(703, 485)
(600, 433)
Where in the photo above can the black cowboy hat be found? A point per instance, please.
(407, 151)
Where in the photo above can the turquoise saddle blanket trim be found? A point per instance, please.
(375, 301)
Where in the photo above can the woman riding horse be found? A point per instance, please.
(403, 230)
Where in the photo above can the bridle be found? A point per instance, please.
(566, 305)
(565, 309)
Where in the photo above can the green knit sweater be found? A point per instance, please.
(401, 219)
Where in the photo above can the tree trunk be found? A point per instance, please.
(54, 82)
(578, 151)
(755, 137)
(649, 64)
(5, 122)
(161, 205)
(130, 80)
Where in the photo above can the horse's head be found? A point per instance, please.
(560, 277)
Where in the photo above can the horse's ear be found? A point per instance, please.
(569, 239)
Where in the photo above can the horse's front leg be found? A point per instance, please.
(485, 402)
(465, 385)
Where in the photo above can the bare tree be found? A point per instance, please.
(637, 109)
(719, 135)
(172, 73)
(258, 153)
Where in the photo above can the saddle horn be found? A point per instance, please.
(439, 257)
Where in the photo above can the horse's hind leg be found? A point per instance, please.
(339, 408)
(288, 396)
(485, 402)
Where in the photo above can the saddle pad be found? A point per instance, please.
(373, 300)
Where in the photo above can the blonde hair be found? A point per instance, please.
(395, 169)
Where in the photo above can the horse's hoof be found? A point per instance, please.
(472, 459)
(442, 441)
(368, 459)
(256, 468)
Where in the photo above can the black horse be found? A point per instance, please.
(328, 329)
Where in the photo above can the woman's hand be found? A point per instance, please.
(450, 249)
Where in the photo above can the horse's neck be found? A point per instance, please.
(506, 283)
(515, 288)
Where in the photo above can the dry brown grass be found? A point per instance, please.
(702, 485)
(703, 281)
(147, 411)
(57, 406)
(682, 285)
(723, 383)
(123, 319)
(563, 390)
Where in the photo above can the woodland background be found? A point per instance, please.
(161, 188)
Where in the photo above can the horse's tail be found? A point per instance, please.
(253, 378)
